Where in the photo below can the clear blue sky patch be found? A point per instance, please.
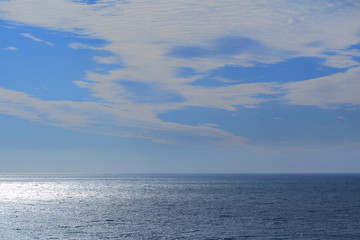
(294, 69)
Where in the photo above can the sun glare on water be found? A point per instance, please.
(31, 191)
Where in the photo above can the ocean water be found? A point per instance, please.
(234, 206)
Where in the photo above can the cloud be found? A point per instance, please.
(27, 35)
(154, 39)
(341, 62)
(109, 119)
(223, 47)
(77, 46)
(11, 48)
(106, 60)
(330, 91)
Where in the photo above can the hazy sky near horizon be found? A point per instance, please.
(179, 86)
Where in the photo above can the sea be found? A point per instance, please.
(180, 206)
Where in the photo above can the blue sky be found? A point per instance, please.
(114, 86)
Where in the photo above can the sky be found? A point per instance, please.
(181, 86)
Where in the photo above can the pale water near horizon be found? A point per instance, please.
(216, 206)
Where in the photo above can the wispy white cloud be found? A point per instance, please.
(106, 118)
(341, 61)
(329, 91)
(106, 60)
(11, 48)
(77, 45)
(143, 34)
(27, 35)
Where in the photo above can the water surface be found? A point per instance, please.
(217, 206)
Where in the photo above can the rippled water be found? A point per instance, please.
(180, 207)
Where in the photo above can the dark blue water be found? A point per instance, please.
(244, 206)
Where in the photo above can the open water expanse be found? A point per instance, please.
(233, 206)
